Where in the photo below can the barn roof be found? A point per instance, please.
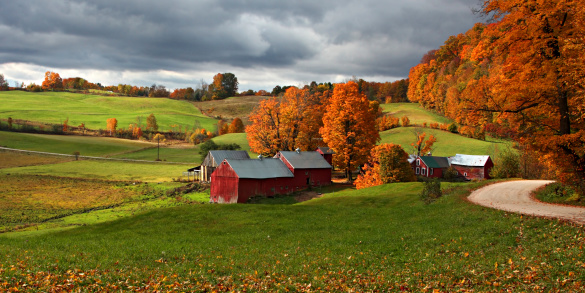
(469, 160)
(326, 150)
(435, 162)
(213, 158)
(305, 160)
(259, 169)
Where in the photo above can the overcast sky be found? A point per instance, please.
(265, 43)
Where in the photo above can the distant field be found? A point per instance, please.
(16, 159)
(187, 154)
(55, 107)
(231, 107)
(67, 144)
(448, 144)
(416, 113)
(104, 170)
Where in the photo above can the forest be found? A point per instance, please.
(521, 75)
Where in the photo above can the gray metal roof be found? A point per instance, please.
(304, 160)
(469, 160)
(213, 158)
(260, 169)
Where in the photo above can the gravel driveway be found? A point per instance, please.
(514, 196)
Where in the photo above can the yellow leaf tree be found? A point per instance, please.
(388, 163)
(349, 127)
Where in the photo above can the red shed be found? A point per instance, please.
(472, 167)
(327, 154)
(429, 166)
(235, 181)
(309, 168)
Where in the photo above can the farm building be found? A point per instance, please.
(429, 166)
(213, 159)
(235, 181)
(327, 154)
(472, 167)
(309, 168)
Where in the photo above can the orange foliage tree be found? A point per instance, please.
(420, 146)
(52, 81)
(523, 75)
(237, 126)
(286, 124)
(111, 125)
(388, 163)
(349, 127)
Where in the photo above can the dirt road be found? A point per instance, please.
(514, 196)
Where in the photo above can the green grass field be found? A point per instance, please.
(377, 239)
(105, 170)
(55, 107)
(448, 144)
(417, 114)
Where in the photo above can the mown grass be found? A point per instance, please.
(67, 144)
(415, 113)
(377, 239)
(105, 170)
(10, 159)
(93, 110)
(448, 144)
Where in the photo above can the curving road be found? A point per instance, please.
(514, 196)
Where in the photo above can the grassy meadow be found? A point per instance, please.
(93, 110)
(448, 144)
(417, 114)
(231, 108)
(377, 239)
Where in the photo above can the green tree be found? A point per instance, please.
(151, 123)
(3, 83)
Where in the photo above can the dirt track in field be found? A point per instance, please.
(515, 196)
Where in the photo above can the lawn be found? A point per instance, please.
(377, 239)
(93, 110)
(67, 144)
(448, 144)
(105, 170)
(417, 114)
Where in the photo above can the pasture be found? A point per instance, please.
(380, 238)
(448, 144)
(417, 114)
(231, 108)
(56, 107)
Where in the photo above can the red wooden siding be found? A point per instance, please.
(224, 187)
(424, 170)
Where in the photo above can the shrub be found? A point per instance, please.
(506, 164)
(431, 191)
(452, 128)
(450, 174)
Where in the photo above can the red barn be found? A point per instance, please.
(327, 154)
(235, 181)
(309, 168)
(472, 167)
(429, 166)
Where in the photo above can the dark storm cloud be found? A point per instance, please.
(364, 38)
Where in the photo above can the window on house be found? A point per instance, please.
(418, 162)
(423, 171)
(417, 170)
(431, 171)
(465, 174)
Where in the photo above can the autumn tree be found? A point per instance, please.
(237, 126)
(420, 146)
(52, 81)
(222, 127)
(286, 124)
(3, 83)
(112, 123)
(224, 85)
(349, 127)
(66, 125)
(151, 123)
(388, 163)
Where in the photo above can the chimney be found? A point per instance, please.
(260, 157)
(298, 150)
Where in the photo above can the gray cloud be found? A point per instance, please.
(301, 38)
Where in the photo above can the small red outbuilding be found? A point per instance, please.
(309, 168)
(472, 167)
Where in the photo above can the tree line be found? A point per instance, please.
(520, 76)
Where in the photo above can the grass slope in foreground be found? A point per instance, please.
(380, 238)
(55, 107)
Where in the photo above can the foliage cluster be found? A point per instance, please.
(521, 75)
(388, 163)
(431, 190)
(559, 194)
(210, 145)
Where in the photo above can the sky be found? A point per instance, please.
(179, 43)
